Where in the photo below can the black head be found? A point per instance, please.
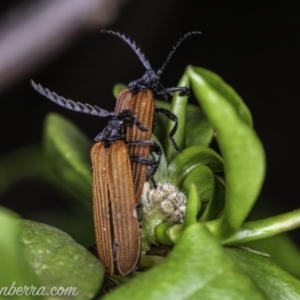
(151, 79)
(112, 132)
(116, 128)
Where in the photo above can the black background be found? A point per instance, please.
(254, 48)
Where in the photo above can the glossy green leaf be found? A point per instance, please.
(15, 271)
(193, 206)
(282, 250)
(213, 84)
(264, 228)
(59, 261)
(204, 180)
(190, 158)
(216, 204)
(68, 150)
(178, 107)
(197, 268)
(243, 154)
(198, 129)
(275, 282)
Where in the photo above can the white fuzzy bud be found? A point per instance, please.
(167, 199)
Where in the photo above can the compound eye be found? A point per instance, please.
(127, 121)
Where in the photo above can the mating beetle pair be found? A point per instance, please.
(120, 159)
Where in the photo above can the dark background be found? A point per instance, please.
(254, 48)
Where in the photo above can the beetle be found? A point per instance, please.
(114, 202)
(139, 97)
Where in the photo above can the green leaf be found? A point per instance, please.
(59, 261)
(189, 159)
(197, 268)
(213, 85)
(275, 282)
(204, 180)
(264, 228)
(21, 164)
(193, 206)
(241, 149)
(198, 129)
(283, 251)
(15, 271)
(216, 204)
(68, 150)
(178, 107)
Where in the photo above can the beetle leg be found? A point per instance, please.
(174, 118)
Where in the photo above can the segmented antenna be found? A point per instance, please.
(133, 46)
(69, 104)
(159, 72)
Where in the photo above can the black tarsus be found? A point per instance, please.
(108, 286)
(183, 90)
(174, 118)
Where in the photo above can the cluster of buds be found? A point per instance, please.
(167, 199)
(166, 203)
